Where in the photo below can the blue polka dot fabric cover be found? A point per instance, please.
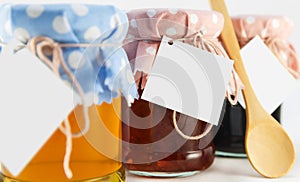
(103, 70)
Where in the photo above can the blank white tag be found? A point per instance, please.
(34, 102)
(188, 80)
(271, 82)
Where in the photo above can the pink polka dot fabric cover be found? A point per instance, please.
(150, 25)
(275, 31)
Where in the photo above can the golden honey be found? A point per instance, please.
(87, 162)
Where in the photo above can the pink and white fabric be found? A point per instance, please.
(148, 26)
(275, 31)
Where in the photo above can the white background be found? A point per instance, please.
(291, 113)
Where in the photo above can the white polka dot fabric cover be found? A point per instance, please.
(249, 26)
(78, 23)
(153, 24)
(275, 31)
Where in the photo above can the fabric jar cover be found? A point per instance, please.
(148, 26)
(275, 31)
(78, 24)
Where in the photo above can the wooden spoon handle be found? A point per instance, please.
(233, 49)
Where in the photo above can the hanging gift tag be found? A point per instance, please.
(34, 102)
(271, 82)
(188, 80)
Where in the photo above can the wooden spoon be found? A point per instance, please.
(269, 148)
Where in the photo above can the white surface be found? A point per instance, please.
(229, 169)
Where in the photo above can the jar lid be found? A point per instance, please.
(174, 23)
(275, 31)
(149, 25)
(78, 24)
(249, 26)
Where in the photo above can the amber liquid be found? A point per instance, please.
(158, 124)
(86, 161)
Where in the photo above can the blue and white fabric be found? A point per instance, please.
(102, 70)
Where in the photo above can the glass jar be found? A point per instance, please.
(275, 31)
(95, 148)
(152, 146)
(229, 141)
(86, 162)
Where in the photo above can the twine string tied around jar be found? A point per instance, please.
(38, 45)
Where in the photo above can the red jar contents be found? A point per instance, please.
(186, 160)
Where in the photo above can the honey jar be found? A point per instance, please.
(72, 40)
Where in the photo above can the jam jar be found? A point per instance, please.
(60, 36)
(274, 31)
(151, 144)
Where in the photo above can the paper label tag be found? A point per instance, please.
(188, 80)
(34, 102)
(271, 82)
